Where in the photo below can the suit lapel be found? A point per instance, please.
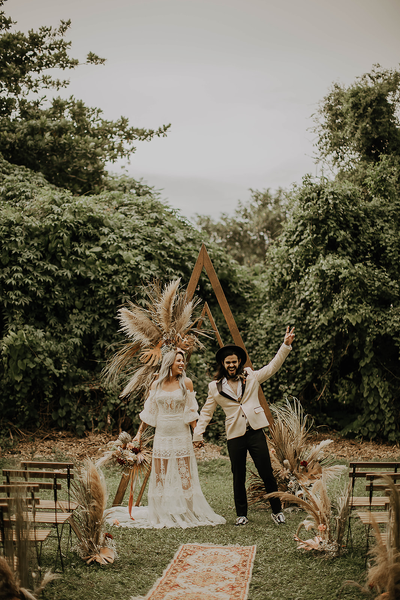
(222, 393)
(243, 386)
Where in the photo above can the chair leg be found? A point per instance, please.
(59, 550)
(367, 533)
(349, 539)
(69, 540)
(38, 552)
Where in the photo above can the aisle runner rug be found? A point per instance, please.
(206, 572)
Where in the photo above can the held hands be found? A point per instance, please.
(289, 336)
(198, 444)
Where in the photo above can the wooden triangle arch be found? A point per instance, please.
(203, 260)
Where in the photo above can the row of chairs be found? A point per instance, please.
(25, 487)
(371, 507)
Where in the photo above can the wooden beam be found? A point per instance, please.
(213, 324)
(204, 261)
(123, 484)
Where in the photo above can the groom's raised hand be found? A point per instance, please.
(289, 336)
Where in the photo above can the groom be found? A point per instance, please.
(235, 389)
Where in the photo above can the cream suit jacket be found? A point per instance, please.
(249, 406)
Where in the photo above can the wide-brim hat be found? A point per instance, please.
(231, 349)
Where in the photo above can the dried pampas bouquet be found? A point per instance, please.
(164, 323)
(89, 490)
(296, 463)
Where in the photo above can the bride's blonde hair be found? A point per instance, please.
(167, 362)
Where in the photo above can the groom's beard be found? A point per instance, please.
(231, 374)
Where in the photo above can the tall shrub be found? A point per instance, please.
(68, 263)
(334, 274)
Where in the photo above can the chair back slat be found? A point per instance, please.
(36, 474)
(375, 476)
(374, 465)
(382, 487)
(28, 500)
(12, 487)
(32, 464)
(369, 466)
(42, 485)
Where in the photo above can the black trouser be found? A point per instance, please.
(254, 441)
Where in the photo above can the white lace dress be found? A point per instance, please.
(175, 498)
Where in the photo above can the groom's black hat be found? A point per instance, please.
(231, 349)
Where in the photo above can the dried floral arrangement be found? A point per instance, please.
(383, 575)
(165, 322)
(296, 463)
(128, 454)
(329, 523)
(89, 490)
(134, 459)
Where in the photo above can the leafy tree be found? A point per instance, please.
(360, 122)
(67, 264)
(334, 274)
(334, 271)
(247, 234)
(64, 139)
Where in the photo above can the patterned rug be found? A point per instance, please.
(206, 572)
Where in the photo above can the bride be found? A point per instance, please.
(175, 498)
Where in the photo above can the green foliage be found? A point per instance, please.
(334, 271)
(68, 263)
(64, 139)
(360, 122)
(247, 234)
(334, 274)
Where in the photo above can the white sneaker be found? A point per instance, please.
(278, 518)
(241, 521)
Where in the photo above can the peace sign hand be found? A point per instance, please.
(289, 336)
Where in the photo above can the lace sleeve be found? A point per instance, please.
(190, 413)
(150, 410)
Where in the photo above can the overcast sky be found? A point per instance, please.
(237, 79)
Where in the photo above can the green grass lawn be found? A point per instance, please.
(280, 570)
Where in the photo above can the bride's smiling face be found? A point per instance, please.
(178, 365)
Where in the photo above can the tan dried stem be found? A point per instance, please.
(289, 442)
(89, 490)
(166, 320)
(317, 505)
(166, 305)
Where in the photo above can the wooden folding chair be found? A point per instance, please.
(8, 531)
(360, 469)
(64, 471)
(55, 517)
